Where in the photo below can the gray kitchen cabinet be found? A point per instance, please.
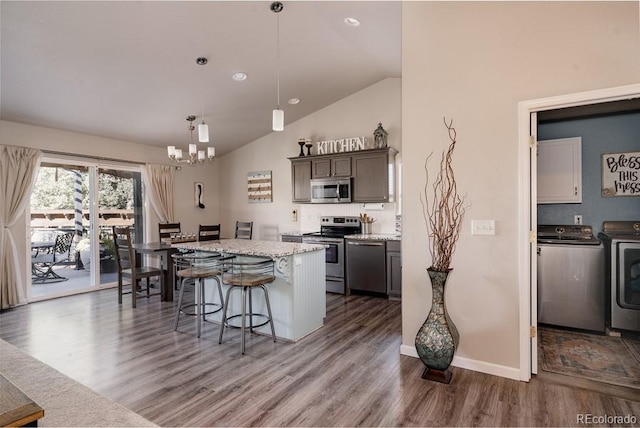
(373, 175)
(301, 180)
(394, 269)
(334, 166)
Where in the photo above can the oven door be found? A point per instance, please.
(334, 254)
(628, 269)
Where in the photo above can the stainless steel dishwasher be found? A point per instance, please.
(571, 285)
(365, 265)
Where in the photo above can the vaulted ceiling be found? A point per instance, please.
(127, 69)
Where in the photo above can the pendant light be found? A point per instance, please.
(278, 114)
(203, 128)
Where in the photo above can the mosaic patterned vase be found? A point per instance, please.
(437, 339)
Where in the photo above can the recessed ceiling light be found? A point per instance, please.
(294, 100)
(352, 22)
(239, 77)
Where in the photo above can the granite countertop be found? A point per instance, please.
(376, 237)
(250, 247)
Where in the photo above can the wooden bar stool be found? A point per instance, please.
(246, 273)
(194, 268)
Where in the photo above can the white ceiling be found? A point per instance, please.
(127, 69)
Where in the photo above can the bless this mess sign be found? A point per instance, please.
(621, 174)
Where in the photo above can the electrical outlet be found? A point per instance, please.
(577, 219)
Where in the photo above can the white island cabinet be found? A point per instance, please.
(297, 296)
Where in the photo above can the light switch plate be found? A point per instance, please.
(483, 227)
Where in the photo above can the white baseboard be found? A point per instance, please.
(469, 364)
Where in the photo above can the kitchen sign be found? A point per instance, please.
(351, 144)
(621, 174)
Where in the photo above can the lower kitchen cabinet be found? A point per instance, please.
(394, 269)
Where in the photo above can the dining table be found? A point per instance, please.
(164, 250)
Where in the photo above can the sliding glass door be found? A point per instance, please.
(79, 202)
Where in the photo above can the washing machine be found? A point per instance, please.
(571, 285)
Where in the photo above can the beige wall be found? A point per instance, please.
(355, 115)
(17, 134)
(474, 62)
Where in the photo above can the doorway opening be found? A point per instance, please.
(528, 112)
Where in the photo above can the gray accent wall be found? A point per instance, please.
(604, 134)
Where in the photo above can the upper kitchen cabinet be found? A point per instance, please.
(374, 175)
(339, 166)
(301, 180)
(560, 171)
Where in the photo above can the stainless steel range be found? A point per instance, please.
(332, 233)
(622, 245)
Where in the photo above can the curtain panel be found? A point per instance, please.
(158, 180)
(18, 170)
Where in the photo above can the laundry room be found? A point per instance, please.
(588, 218)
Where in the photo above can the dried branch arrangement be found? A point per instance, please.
(443, 212)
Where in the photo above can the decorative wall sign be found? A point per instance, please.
(621, 174)
(259, 186)
(199, 194)
(351, 144)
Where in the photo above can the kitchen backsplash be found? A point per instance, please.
(385, 219)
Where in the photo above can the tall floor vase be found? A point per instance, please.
(437, 339)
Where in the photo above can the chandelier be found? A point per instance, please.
(195, 156)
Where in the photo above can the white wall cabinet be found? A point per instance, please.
(560, 171)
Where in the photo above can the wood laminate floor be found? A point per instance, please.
(348, 373)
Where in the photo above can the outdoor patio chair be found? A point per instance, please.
(44, 261)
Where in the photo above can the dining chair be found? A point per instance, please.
(209, 232)
(244, 229)
(128, 268)
(44, 262)
(166, 229)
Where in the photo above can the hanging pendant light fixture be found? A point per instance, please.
(278, 114)
(195, 156)
(203, 128)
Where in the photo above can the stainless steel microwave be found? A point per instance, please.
(331, 190)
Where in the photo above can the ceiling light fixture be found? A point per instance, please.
(353, 22)
(277, 123)
(239, 76)
(294, 101)
(195, 155)
(203, 128)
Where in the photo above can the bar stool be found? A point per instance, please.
(192, 267)
(245, 273)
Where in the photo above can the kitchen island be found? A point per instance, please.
(297, 296)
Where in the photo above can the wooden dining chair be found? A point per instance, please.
(209, 232)
(128, 268)
(244, 229)
(166, 229)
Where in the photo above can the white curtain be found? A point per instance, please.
(158, 180)
(18, 169)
